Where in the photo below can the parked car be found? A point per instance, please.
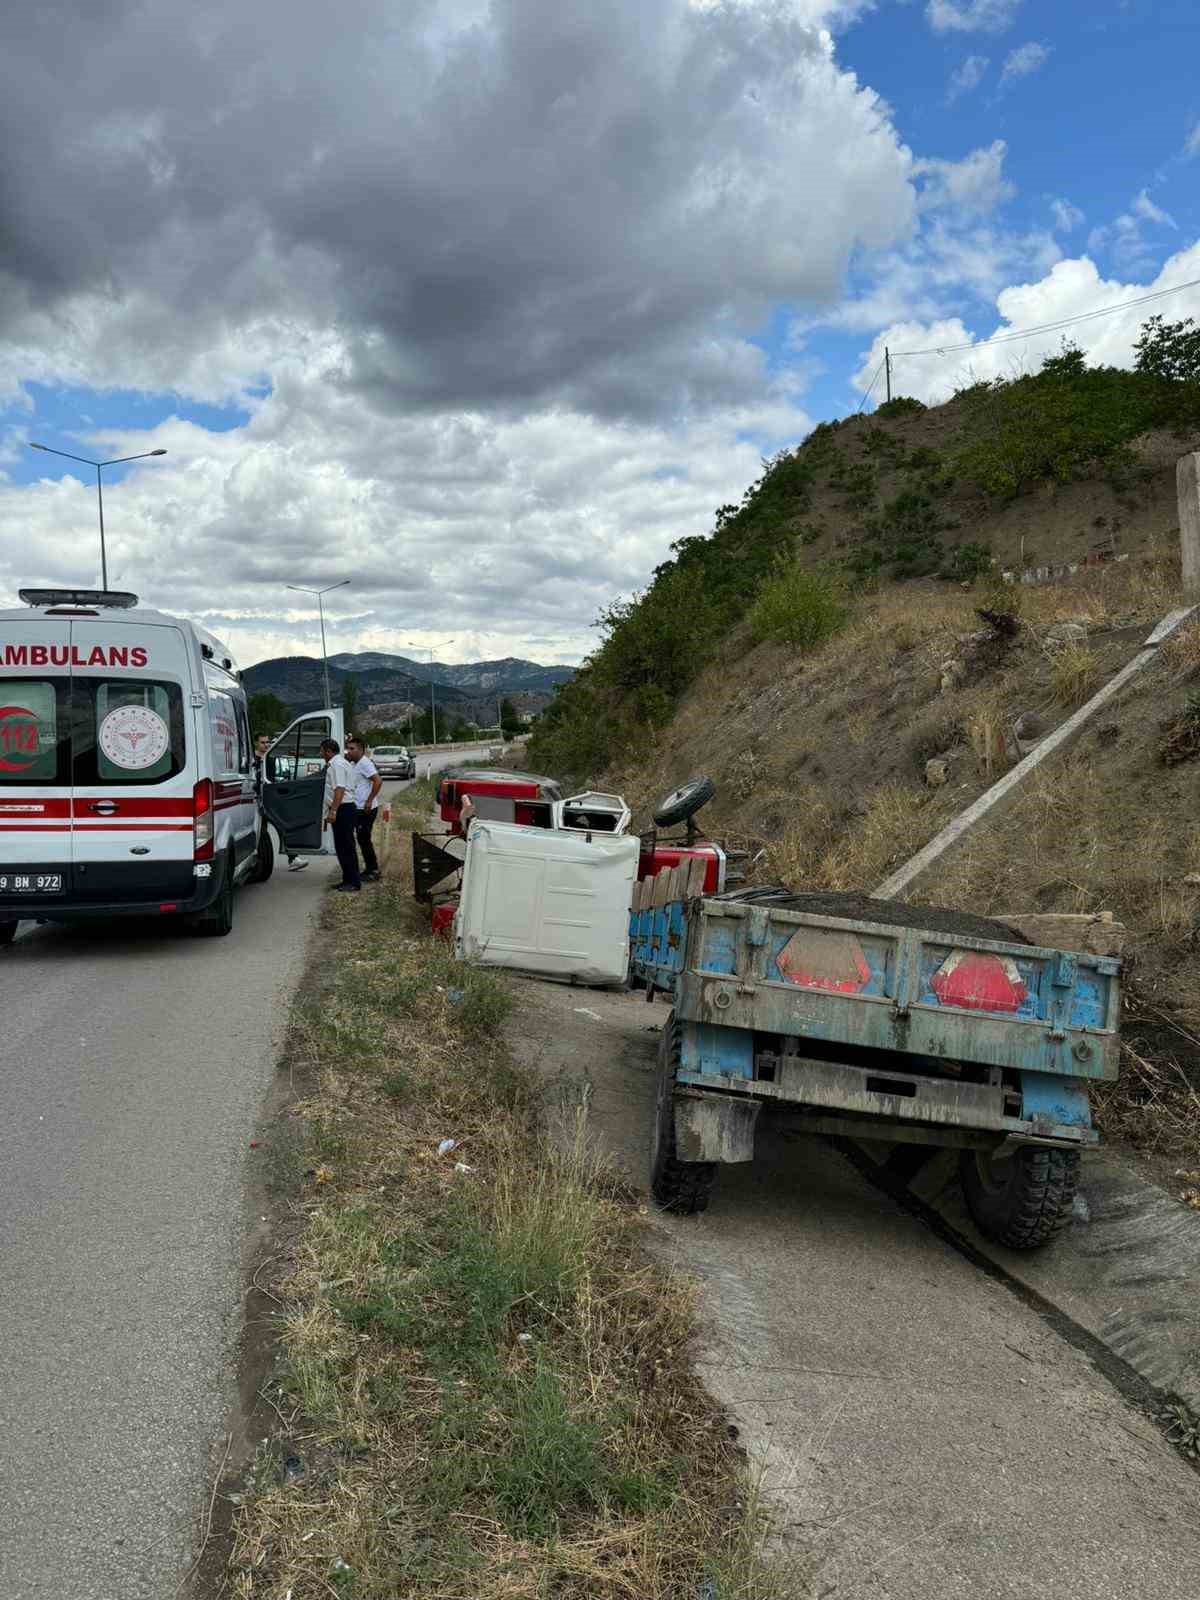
(394, 761)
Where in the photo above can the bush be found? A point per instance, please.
(966, 562)
(800, 607)
(901, 405)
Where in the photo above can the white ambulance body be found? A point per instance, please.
(127, 778)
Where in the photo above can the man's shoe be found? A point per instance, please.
(346, 888)
(297, 865)
(372, 877)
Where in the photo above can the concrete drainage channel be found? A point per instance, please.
(1122, 1283)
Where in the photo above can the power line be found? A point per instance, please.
(874, 381)
(1046, 327)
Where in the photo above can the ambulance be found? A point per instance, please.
(127, 777)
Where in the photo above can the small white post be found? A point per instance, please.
(1187, 480)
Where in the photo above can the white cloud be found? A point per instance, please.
(484, 273)
(971, 16)
(1192, 146)
(1067, 217)
(1023, 61)
(974, 184)
(1070, 288)
(967, 77)
(1146, 209)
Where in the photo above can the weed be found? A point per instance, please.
(1074, 672)
(397, 1086)
(1181, 741)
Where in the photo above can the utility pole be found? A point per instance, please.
(887, 370)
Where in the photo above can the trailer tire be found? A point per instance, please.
(680, 1186)
(264, 864)
(1024, 1201)
(684, 802)
(8, 932)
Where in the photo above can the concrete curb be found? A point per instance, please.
(1127, 1270)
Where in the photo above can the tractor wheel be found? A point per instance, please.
(681, 1186)
(1023, 1201)
(8, 932)
(684, 802)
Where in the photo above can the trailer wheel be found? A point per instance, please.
(681, 1186)
(264, 865)
(217, 921)
(684, 802)
(1023, 1201)
(8, 932)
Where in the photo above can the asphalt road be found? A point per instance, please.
(134, 1064)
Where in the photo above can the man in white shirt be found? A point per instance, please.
(340, 812)
(367, 784)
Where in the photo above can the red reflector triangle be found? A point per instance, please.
(976, 982)
(819, 960)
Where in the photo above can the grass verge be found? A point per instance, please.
(482, 1384)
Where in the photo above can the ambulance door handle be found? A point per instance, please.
(105, 808)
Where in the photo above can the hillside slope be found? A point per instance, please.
(845, 719)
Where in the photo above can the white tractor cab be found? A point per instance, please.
(127, 780)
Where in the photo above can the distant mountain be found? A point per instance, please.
(507, 676)
(471, 690)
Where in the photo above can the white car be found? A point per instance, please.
(393, 761)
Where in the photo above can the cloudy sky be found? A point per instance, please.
(482, 303)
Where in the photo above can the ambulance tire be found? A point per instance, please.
(1023, 1201)
(264, 866)
(217, 921)
(680, 1186)
(8, 932)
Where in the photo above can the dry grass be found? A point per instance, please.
(482, 1388)
(1074, 674)
(819, 850)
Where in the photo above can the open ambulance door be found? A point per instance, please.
(293, 786)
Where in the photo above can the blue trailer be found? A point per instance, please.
(873, 1019)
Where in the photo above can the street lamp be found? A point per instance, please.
(441, 645)
(115, 462)
(320, 594)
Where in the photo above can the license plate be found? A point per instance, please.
(31, 883)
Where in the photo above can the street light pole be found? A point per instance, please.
(84, 461)
(320, 594)
(441, 645)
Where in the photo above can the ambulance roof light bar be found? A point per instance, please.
(117, 599)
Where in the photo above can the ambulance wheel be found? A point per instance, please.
(684, 802)
(264, 866)
(217, 921)
(680, 1186)
(8, 932)
(1023, 1201)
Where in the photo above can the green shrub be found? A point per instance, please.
(901, 405)
(800, 607)
(966, 562)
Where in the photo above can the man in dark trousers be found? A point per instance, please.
(367, 784)
(340, 812)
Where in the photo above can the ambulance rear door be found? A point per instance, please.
(35, 759)
(135, 743)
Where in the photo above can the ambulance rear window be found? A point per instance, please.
(127, 731)
(34, 731)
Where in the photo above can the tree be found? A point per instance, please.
(350, 702)
(510, 719)
(268, 714)
(1170, 350)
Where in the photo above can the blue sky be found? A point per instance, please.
(510, 295)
